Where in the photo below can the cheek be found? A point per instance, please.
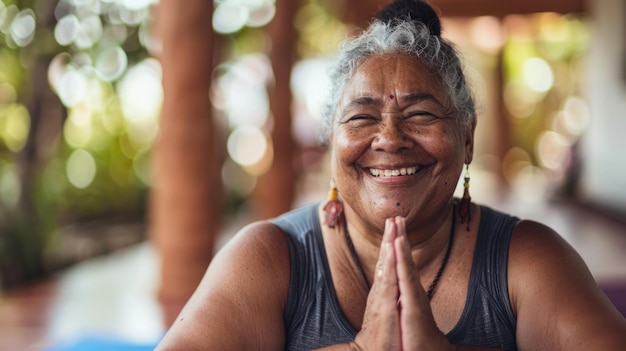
(348, 145)
(441, 143)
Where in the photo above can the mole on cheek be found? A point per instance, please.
(398, 204)
(391, 97)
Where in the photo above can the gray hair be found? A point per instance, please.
(401, 36)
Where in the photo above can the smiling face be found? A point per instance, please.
(397, 147)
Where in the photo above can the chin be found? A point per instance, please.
(389, 211)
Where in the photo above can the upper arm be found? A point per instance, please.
(239, 303)
(557, 302)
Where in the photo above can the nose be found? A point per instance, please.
(392, 137)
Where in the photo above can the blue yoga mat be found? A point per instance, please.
(101, 344)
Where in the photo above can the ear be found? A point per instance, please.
(469, 141)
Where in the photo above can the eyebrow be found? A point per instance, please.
(421, 97)
(363, 101)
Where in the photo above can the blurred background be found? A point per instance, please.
(137, 136)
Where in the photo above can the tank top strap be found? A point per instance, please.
(488, 314)
(300, 227)
(313, 318)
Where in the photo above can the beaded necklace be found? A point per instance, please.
(433, 284)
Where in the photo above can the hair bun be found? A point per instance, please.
(415, 10)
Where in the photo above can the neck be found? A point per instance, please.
(429, 241)
(428, 250)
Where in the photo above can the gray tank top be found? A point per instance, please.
(314, 319)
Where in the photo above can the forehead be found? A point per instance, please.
(393, 74)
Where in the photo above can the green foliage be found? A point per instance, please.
(559, 44)
(86, 73)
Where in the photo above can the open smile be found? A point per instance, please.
(404, 171)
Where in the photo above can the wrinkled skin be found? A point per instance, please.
(394, 114)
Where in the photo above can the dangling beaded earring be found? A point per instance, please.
(333, 208)
(464, 206)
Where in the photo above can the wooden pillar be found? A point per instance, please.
(186, 197)
(276, 189)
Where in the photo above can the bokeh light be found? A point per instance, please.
(140, 92)
(23, 27)
(247, 145)
(141, 97)
(80, 168)
(14, 126)
(241, 91)
(519, 99)
(262, 15)
(553, 150)
(230, 16)
(89, 32)
(78, 129)
(66, 29)
(309, 83)
(7, 14)
(135, 5)
(538, 75)
(111, 63)
(487, 33)
(576, 115)
(72, 86)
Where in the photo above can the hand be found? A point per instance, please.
(381, 321)
(417, 324)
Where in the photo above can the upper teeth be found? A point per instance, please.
(393, 172)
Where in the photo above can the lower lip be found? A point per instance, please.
(394, 179)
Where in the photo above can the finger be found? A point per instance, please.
(408, 278)
(385, 277)
(389, 278)
(391, 230)
(388, 236)
(400, 226)
(380, 329)
(402, 250)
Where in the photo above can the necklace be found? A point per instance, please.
(433, 284)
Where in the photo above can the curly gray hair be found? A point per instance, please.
(401, 36)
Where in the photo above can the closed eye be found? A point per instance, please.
(361, 117)
(421, 116)
(421, 113)
(360, 120)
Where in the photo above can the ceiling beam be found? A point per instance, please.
(361, 14)
(500, 8)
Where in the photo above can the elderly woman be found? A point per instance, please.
(392, 261)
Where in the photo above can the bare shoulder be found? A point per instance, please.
(256, 258)
(239, 303)
(537, 246)
(557, 301)
(261, 243)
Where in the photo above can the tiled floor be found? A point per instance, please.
(109, 297)
(112, 297)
